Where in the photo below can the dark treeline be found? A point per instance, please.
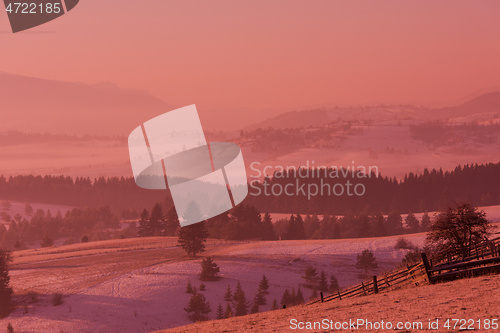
(429, 191)
(92, 222)
(11, 138)
(121, 194)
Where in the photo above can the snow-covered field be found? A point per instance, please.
(474, 301)
(144, 290)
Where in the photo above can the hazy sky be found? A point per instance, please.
(261, 55)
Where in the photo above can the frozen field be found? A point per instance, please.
(143, 290)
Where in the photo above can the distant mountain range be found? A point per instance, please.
(37, 105)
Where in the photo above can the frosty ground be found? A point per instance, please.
(142, 290)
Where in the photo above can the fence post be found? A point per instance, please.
(321, 294)
(364, 290)
(427, 267)
(375, 286)
(340, 297)
(386, 280)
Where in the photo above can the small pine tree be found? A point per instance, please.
(192, 238)
(285, 299)
(220, 312)
(228, 296)
(156, 222)
(334, 284)
(209, 270)
(323, 282)
(240, 302)
(264, 285)
(189, 288)
(259, 298)
(143, 230)
(366, 261)
(255, 308)
(5, 290)
(425, 223)
(299, 298)
(10, 329)
(202, 287)
(198, 308)
(310, 275)
(229, 311)
(275, 305)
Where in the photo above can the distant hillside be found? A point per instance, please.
(38, 105)
(486, 103)
(483, 104)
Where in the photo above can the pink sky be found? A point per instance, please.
(268, 55)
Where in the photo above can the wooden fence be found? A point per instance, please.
(411, 274)
(480, 258)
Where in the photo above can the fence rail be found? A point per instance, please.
(481, 258)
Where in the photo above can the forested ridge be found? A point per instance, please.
(428, 191)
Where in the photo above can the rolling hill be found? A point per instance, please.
(41, 106)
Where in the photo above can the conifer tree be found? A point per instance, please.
(310, 276)
(171, 222)
(264, 285)
(285, 299)
(240, 302)
(198, 308)
(193, 237)
(189, 288)
(366, 261)
(229, 311)
(323, 282)
(269, 232)
(259, 298)
(220, 312)
(255, 308)
(275, 305)
(228, 296)
(425, 223)
(334, 284)
(144, 230)
(412, 223)
(5, 289)
(202, 287)
(156, 222)
(209, 270)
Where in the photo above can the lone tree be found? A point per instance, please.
(455, 230)
(193, 237)
(198, 308)
(209, 270)
(366, 261)
(5, 289)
